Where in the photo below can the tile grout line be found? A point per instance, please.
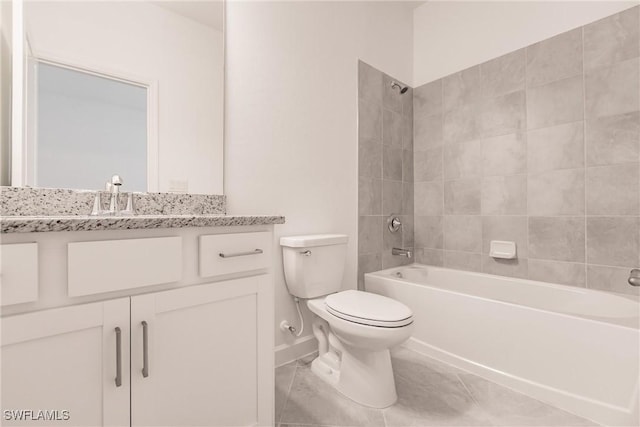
(286, 400)
(584, 158)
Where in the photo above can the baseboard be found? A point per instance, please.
(301, 347)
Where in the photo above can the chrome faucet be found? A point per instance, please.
(114, 206)
(401, 252)
(634, 277)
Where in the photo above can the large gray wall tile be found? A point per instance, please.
(612, 39)
(503, 114)
(428, 165)
(428, 198)
(557, 238)
(369, 196)
(557, 147)
(504, 155)
(612, 279)
(613, 190)
(391, 197)
(504, 195)
(369, 120)
(463, 233)
(369, 83)
(613, 90)
(370, 158)
(430, 257)
(462, 197)
(461, 89)
(555, 59)
(407, 133)
(614, 139)
(407, 166)
(462, 160)
(613, 241)
(503, 75)
(555, 103)
(392, 163)
(391, 128)
(462, 261)
(429, 232)
(564, 273)
(369, 235)
(427, 133)
(408, 199)
(427, 99)
(558, 192)
(462, 124)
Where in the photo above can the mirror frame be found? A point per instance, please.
(24, 103)
(27, 169)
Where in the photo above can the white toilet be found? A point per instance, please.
(355, 329)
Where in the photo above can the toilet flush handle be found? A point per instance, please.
(305, 253)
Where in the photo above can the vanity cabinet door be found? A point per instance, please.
(64, 362)
(207, 356)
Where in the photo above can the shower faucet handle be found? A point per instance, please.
(634, 277)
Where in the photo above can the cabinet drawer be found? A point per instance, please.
(19, 273)
(232, 253)
(113, 265)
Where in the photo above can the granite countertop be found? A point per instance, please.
(31, 224)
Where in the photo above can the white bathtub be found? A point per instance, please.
(575, 348)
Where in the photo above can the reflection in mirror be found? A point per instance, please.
(88, 121)
(168, 52)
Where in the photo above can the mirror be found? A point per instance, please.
(112, 87)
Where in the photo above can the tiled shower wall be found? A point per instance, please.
(385, 170)
(541, 147)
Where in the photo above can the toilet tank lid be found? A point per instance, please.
(314, 240)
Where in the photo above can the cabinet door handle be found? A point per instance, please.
(235, 254)
(118, 357)
(145, 349)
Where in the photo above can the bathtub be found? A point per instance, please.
(575, 348)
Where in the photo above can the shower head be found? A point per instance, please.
(402, 89)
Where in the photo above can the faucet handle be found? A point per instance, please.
(116, 180)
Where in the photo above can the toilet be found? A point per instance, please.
(354, 329)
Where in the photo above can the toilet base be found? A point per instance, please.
(364, 376)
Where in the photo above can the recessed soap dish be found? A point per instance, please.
(502, 249)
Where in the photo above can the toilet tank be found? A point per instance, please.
(314, 264)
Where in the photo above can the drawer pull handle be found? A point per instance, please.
(235, 254)
(118, 357)
(145, 349)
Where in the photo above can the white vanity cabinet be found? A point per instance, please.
(65, 359)
(199, 353)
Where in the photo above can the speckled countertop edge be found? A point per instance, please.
(38, 224)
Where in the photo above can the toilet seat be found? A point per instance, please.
(368, 309)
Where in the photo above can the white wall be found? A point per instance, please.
(142, 39)
(291, 114)
(5, 92)
(450, 35)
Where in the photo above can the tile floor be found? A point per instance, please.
(430, 393)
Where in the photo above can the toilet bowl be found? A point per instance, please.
(358, 364)
(354, 329)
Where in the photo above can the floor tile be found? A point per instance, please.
(284, 378)
(444, 403)
(312, 401)
(510, 408)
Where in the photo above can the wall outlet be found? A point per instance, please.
(178, 186)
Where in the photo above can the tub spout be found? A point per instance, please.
(401, 252)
